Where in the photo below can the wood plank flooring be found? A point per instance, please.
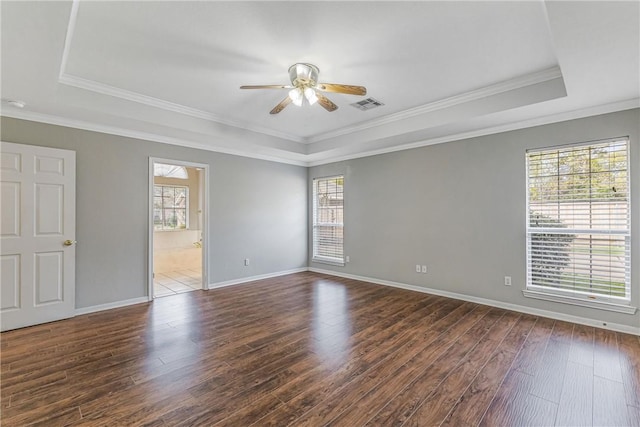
(315, 350)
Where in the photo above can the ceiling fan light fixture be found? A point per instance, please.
(311, 96)
(296, 96)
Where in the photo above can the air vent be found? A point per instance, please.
(367, 104)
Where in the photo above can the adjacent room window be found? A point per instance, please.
(170, 207)
(578, 225)
(170, 171)
(328, 220)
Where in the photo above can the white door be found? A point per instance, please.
(37, 234)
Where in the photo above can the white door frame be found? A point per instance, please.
(204, 199)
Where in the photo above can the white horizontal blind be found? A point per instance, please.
(578, 228)
(328, 217)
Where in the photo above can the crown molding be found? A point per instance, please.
(104, 89)
(71, 27)
(538, 121)
(113, 91)
(505, 86)
(146, 136)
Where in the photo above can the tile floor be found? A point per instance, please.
(176, 282)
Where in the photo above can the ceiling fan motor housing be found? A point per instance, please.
(303, 75)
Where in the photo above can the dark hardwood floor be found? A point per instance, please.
(314, 350)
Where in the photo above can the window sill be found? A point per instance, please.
(601, 305)
(328, 261)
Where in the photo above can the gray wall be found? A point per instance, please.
(257, 210)
(457, 207)
(460, 208)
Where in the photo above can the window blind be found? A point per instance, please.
(328, 217)
(578, 227)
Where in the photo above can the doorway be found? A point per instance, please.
(177, 227)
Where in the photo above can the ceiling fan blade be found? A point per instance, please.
(267, 87)
(326, 103)
(280, 106)
(338, 88)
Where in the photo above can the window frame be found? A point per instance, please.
(314, 238)
(186, 208)
(586, 299)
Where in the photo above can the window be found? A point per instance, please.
(328, 220)
(170, 207)
(170, 171)
(578, 225)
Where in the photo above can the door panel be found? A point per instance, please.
(10, 276)
(49, 209)
(54, 165)
(10, 225)
(11, 162)
(38, 216)
(48, 277)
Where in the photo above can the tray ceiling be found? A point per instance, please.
(171, 71)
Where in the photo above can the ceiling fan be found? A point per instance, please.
(305, 89)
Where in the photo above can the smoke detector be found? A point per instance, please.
(16, 103)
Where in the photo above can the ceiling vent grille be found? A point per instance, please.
(367, 104)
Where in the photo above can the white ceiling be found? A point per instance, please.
(171, 71)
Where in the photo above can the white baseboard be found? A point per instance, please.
(499, 304)
(254, 278)
(108, 306)
(139, 300)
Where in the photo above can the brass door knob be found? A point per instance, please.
(69, 242)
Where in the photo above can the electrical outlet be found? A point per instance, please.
(418, 268)
(246, 262)
(424, 268)
(348, 259)
(507, 280)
